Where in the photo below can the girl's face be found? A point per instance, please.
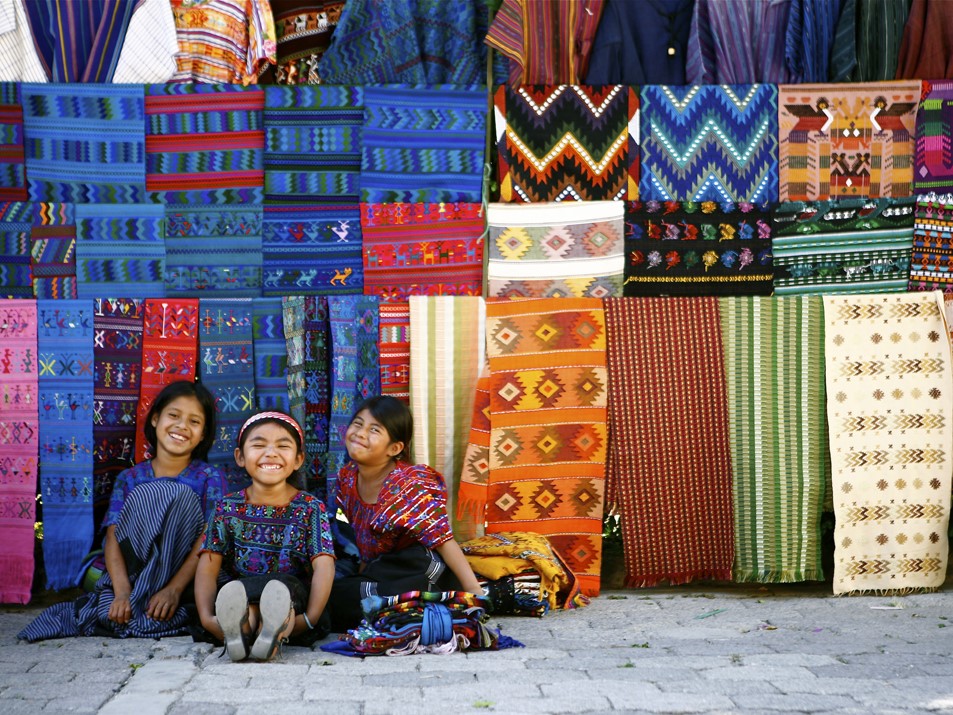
(270, 454)
(368, 441)
(180, 426)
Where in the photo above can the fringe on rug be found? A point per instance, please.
(677, 579)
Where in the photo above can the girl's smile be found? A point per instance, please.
(270, 454)
(180, 426)
(368, 441)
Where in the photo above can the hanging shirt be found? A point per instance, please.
(810, 35)
(148, 53)
(19, 60)
(867, 40)
(927, 41)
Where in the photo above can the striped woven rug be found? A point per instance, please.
(12, 152)
(774, 363)
(931, 262)
(672, 492)
(53, 253)
(889, 382)
(394, 345)
(474, 478)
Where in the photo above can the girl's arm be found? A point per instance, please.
(206, 588)
(452, 555)
(321, 581)
(165, 601)
(120, 610)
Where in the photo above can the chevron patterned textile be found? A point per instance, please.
(271, 357)
(394, 342)
(19, 447)
(12, 152)
(15, 246)
(317, 386)
(566, 142)
(931, 265)
(933, 162)
(852, 140)
(709, 143)
(547, 363)
(422, 249)
(85, 143)
(205, 144)
(65, 384)
(423, 143)
(568, 248)
(53, 250)
(672, 493)
(169, 352)
(691, 248)
(889, 382)
(120, 250)
(774, 363)
(842, 246)
(474, 477)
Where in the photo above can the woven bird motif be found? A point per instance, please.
(931, 261)
(12, 152)
(933, 161)
(709, 143)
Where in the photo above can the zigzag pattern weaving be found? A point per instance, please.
(12, 152)
(933, 162)
(271, 355)
(53, 250)
(15, 224)
(931, 263)
(709, 143)
(565, 142)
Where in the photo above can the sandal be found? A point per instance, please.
(231, 610)
(276, 613)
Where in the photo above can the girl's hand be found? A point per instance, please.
(163, 604)
(120, 610)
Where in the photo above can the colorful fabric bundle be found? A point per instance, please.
(303, 31)
(692, 248)
(709, 143)
(292, 316)
(271, 356)
(317, 387)
(12, 162)
(19, 447)
(15, 246)
(394, 343)
(774, 363)
(846, 141)
(889, 382)
(548, 418)
(53, 253)
(205, 144)
(842, 245)
(673, 493)
(422, 249)
(65, 384)
(85, 143)
(570, 249)
(475, 475)
(931, 264)
(169, 352)
(563, 142)
(120, 250)
(423, 143)
(933, 163)
(215, 248)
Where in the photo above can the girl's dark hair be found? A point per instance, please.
(394, 416)
(294, 478)
(173, 391)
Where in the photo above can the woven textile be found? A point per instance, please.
(889, 381)
(312, 249)
(19, 447)
(65, 384)
(842, 245)
(423, 143)
(394, 344)
(475, 475)
(422, 249)
(303, 30)
(846, 141)
(774, 364)
(53, 250)
(271, 357)
(692, 248)
(12, 161)
(120, 250)
(673, 494)
(933, 162)
(709, 143)
(85, 143)
(317, 385)
(931, 264)
(213, 250)
(563, 142)
(548, 426)
(15, 223)
(446, 358)
(292, 316)
(569, 249)
(117, 353)
(169, 352)
(205, 143)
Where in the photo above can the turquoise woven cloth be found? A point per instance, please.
(271, 357)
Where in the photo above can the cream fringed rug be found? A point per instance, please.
(889, 404)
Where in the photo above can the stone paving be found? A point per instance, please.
(696, 649)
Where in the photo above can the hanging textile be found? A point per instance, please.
(292, 317)
(693, 248)
(12, 161)
(120, 250)
(65, 384)
(925, 47)
(394, 342)
(867, 40)
(15, 223)
(889, 381)
(810, 32)
(471, 495)
(85, 143)
(303, 30)
(709, 143)
(19, 447)
(548, 415)
(53, 250)
(271, 357)
(21, 62)
(150, 48)
(422, 249)
(854, 141)
(774, 364)
(672, 493)
(568, 249)
(214, 250)
(846, 245)
(562, 142)
(317, 405)
(933, 167)
(169, 352)
(931, 265)
(423, 143)
(447, 335)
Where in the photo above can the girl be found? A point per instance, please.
(398, 513)
(153, 528)
(272, 543)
